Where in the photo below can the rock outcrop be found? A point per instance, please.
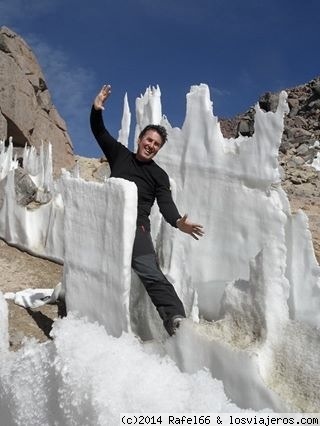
(26, 110)
(300, 141)
(300, 146)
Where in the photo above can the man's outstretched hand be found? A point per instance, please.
(193, 229)
(101, 97)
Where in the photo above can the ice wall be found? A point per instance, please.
(37, 228)
(99, 225)
(242, 274)
(252, 279)
(124, 132)
(255, 347)
(4, 333)
(232, 187)
(303, 271)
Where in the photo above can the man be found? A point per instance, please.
(152, 183)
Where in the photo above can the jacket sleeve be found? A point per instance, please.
(165, 202)
(107, 143)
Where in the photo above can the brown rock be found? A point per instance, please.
(25, 188)
(302, 133)
(93, 169)
(269, 101)
(294, 106)
(300, 122)
(246, 126)
(3, 128)
(26, 104)
(293, 102)
(43, 125)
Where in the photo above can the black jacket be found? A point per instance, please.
(151, 180)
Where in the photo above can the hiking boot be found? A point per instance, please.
(173, 324)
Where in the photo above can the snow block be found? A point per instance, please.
(99, 228)
(4, 333)
(303, 272)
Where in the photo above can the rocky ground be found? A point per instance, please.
(20, 270)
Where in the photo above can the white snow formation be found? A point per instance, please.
(251, 285)
(316, 161)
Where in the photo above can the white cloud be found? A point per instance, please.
(216, 92)
(68, 82)
(71, 87)
(23, 9)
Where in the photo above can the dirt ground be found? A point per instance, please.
(19, 270)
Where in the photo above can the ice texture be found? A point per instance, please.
(99, 227)
(4, 329)
(87, 377)
(251, 285)
(38, 230)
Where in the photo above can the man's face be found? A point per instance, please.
(148, 145)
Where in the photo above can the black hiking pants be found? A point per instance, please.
(160, 290)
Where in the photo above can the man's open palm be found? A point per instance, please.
(193, 229)
(101, 97)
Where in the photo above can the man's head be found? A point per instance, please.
(150, 140)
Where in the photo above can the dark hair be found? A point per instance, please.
(157, 128)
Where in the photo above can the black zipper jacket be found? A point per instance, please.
(151, 180)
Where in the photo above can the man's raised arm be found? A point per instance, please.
(107, 143)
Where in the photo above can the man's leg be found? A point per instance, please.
(160, 290)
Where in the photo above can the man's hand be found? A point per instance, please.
(194, 229)
(101, 97)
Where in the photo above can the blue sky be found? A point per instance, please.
(241, 49)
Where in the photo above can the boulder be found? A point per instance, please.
(314, 104)
(3, 127)
(246, 126)
(27, 112)
(303, 149)
(25, 188)
(269, 101)
(293, 103)
(300, 122)
(315, 87)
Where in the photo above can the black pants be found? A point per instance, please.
(160, 290)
